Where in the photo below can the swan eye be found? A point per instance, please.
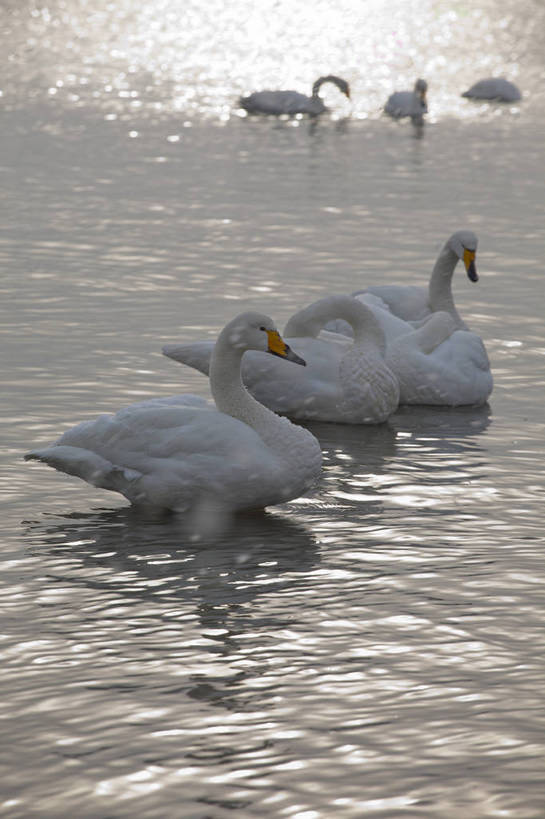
(263, 328)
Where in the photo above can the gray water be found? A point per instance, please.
(376, 648)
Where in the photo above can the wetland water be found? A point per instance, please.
(376, 648)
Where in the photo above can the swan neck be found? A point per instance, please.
(318, 84)
(440, 287)
(232, 397)
(309, 321)
(436, 330)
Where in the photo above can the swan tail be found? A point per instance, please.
(196, 355)
(86, 465)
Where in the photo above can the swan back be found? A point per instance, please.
(281, 102)
(494, 88)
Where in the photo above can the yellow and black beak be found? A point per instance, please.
(277, 346)
(469, 261)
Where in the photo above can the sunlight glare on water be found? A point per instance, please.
(167, 56)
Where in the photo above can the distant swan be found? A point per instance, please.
(412, 303)
(178, 452)
(292, 102)
(440, 364)
(345, 381)
(494, 88)
(409, 103)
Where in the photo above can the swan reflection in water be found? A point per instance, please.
(136, 549)
(135, 587)
(451, 426)
(365, 467)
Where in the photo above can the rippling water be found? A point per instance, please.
(374, 649)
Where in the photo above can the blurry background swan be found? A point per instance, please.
(190, 57)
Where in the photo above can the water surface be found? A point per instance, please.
(376, 648)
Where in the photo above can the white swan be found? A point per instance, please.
(292, 102)
(409, 103)
(179, 452)
(439, 364)
(494, 88)
(412, 303)
(345, 381)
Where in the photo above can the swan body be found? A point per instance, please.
(409, 103)
(440, 364)
(412, 303)
(345, 380)
(179, 452)
(292, 102)
(494, 88)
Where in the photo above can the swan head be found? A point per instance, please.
(420, 90)
(341, 84)
(256, 331)
(464, 244)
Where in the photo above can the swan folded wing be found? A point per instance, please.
(399, 104)
(453, 372)
(370, 388)
(194, 354)
(276, 102)
(462, 364)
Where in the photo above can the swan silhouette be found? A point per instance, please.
(411, 104)
(345, 380)
(292, 102)
(178, 452)
(493, 88)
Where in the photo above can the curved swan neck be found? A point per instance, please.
(440, 287)
(310, 320)
(232, 397)
(437, 329)
(330, 78)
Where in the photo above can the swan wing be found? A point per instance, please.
(399, 104)
(454, 372)
(277, 102)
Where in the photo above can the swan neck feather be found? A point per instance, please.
(232, 398)
(440, 287)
